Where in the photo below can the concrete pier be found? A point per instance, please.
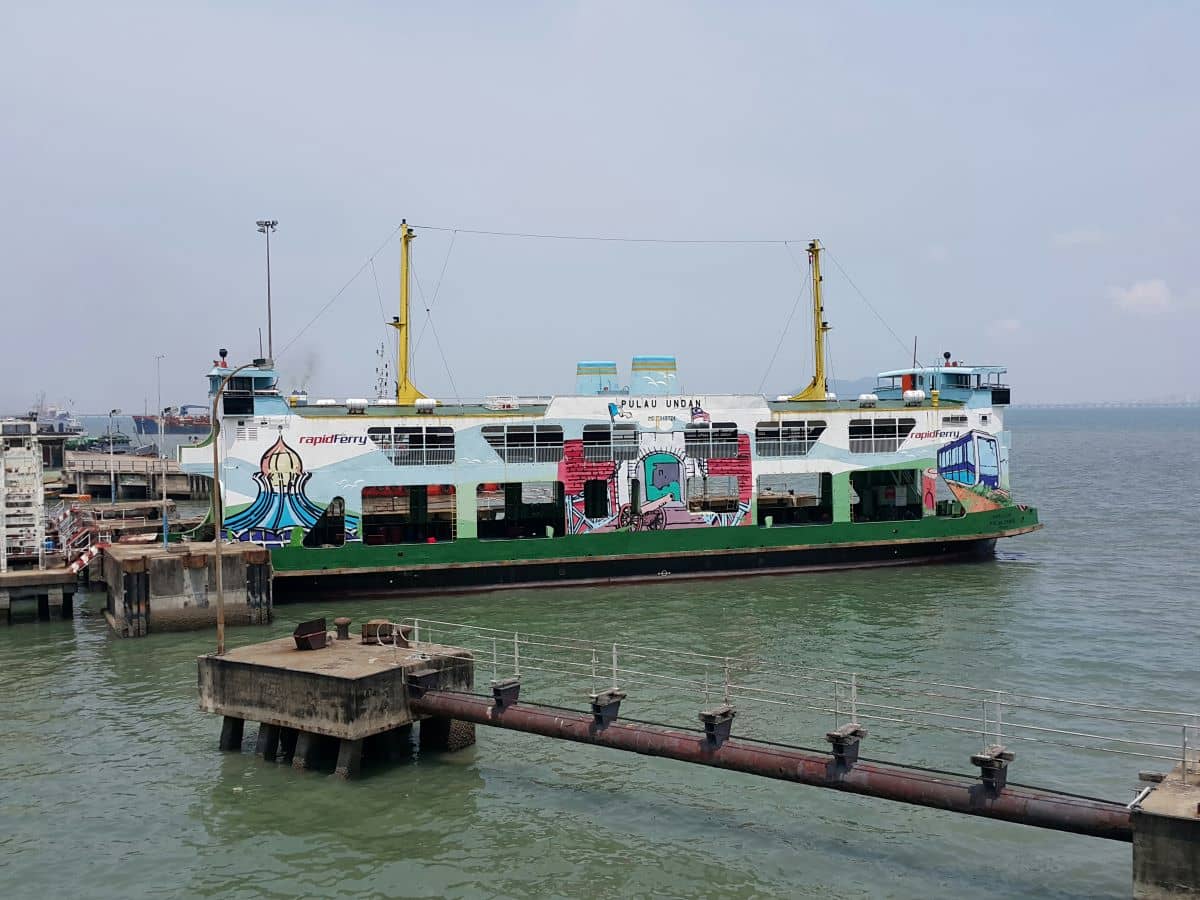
(135, 477)
(1166, 837)
(44, 594)
(337, 706)
(156, 589)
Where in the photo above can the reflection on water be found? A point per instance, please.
(112, 785)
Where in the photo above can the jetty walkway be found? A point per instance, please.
(354, 700)
(135, 477)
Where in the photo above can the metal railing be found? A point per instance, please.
(702, 449)
(875, 445)
(142, 465)
(790, 702)
(620, 451)
(511, 454)
(772, 448)
(428, 456)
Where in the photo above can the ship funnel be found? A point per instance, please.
(653, 375)
(592, 377)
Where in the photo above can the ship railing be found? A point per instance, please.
(610, 452)
(875, 445)
(929, 722)
(711, 449)
(783, 448)
(512, 454)
(435, 456)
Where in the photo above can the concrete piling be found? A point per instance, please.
(268, 742)
(395, 744)
(287, 745)
(446, 735)
(350, 757)
(307, 751)
(231, 733)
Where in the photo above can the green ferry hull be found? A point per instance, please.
(473, 565)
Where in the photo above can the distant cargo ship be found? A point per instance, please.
(191, 419)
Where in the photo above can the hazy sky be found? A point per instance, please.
(1016, 183)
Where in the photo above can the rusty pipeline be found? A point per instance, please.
(1026, 806)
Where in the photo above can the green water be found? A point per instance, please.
(111, 784)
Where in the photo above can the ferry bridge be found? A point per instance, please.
(777, 719)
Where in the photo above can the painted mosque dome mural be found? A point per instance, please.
(281, 503)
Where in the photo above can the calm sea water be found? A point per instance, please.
(111, 784)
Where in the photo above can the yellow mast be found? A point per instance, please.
(406, 393)
(819, 386)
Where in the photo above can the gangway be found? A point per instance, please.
(940, 743)
(764, 716)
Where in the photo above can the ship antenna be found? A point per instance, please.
(406, 393)
(819, 386)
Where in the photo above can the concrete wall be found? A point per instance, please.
(175, 590)
(1166, 857)
(313, 702)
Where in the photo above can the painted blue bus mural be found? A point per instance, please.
(971, 459)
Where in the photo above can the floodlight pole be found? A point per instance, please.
(112, 460)
(162, 436)
(266, 226)
(218, 508)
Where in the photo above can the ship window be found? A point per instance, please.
(526, 443)
(595, 499)
(610, 442)
(513, 510)
(712, 493)
(415, 446)
(237, 404)
(954, 421)
(804, 498)
(718, 440)
(879, 435)
(886, 496)
(791, 437)
(330, 528)
(409, 514)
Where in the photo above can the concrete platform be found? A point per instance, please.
(349, 692)
(48, 592)
(174, 589)
(1166, 837)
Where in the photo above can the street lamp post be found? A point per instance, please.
(218, 507)
(162, 436)
(266, 226)
(112, 459)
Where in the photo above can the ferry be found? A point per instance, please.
(625, 479)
